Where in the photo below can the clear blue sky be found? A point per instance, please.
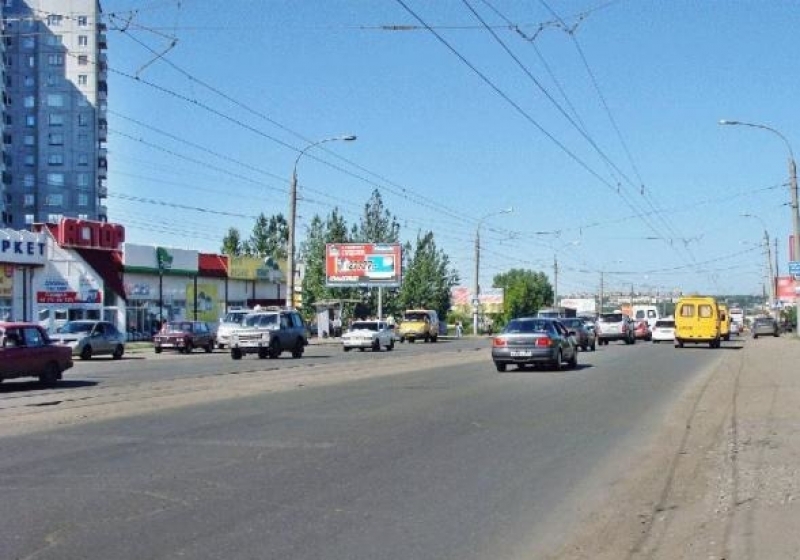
(604, 140)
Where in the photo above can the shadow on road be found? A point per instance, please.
(10, 387)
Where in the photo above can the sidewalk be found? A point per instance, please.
(722, 480)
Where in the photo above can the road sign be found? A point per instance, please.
(794, 268)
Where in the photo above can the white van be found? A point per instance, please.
(647, 313)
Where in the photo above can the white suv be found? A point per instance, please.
(227, 324)
(368, 334)
(270, 333)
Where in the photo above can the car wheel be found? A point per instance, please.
(236, 353)
(360, 348)
(118, 352)
(346, 348)
(500, 367)
(434, 338)
(263, 353)
(376, 345)
(390, 346)
(573, 361)
(188, 348)
(678, 343)
(297, 352)
(86, 353)
(584, 347)
(558, 361)
(51, 375)
(427, 338)
(221, 346)
(158, 349)
(275, 348)
(594, 346)
(209, 347)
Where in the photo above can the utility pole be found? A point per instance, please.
(772, 294)
(600, 307)
(477, 288)
(555, 281)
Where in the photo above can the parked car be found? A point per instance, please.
(227, 324)
(614, 326)
(534, 341)
(91, 338)
(642, 331)
(585, 337)
(765, 326)
(664, 331)
(368, 334)
(27, 351)
(184, 336)
(269, 334)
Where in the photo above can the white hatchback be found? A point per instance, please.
(664, 330)
(368, 334)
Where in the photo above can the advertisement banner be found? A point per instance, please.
(787, 289)
(363, 264)
(22, 247)
(254, 268)
(148, 259)
(90, 296)
(6, 281)
(207, 302)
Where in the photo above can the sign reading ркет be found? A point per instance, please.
(363, 264)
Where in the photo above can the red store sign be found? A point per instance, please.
(91, 296)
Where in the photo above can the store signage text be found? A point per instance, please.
(32, 248)
(90, 234)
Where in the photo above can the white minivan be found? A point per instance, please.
(647, 313)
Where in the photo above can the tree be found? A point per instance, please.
(232, 243)
(524, 292)
(269, 238)
(312, 253)
(427, 280)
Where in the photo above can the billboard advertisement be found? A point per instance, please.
(363, 264)
(787, 289)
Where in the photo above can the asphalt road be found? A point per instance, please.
(435, 463)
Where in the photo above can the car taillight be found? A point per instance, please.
(545, 342)
(499, 342)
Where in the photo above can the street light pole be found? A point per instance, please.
(793, 190)
(477, 287)
(290, 263)
(773, 295)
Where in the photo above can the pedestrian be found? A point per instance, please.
(459, 329)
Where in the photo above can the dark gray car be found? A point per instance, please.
(765, 326)
(584, 336)
(534, 341)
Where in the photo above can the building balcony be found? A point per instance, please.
(102, 43)
(102, 213)
(102, 173)
(102, 191)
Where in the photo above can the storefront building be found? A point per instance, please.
(23, 255)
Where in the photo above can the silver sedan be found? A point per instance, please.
(534, 341)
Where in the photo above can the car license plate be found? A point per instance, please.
(521, 353)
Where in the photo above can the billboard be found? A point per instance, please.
(363, 264)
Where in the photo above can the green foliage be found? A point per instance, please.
(270, 237)
(312, 253)
(232, 243)
(524, 292)
(427, 279)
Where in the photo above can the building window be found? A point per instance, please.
(29, 101)
(55, 59)
(83, 21)
(28, 219)
(29, 140)
(7, 139)
(55, 179)
(54, 200)
(55, 119)
(83, 60)
(83, 179)
(30, 120)
(55, 159)
(83, 79)
(54, 218)
(31, 62)
(28, 200)
(28, 180)
(55, 139)
(55, 100)
(28, 81)
(54, 20)
(29, 160)
(83, 41)
(83, 159)
(83, 199)
(83, 138)
(55, 40)
(28, 42)
(82, 101)
(83, 119)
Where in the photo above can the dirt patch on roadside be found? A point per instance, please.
(721, 479)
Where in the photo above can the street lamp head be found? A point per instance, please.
(508, 210)
(348, 138)
(725, 121)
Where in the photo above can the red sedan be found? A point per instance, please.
(642, 331)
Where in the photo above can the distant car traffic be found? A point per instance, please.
(584, 336)
(615, 326)
(664, 331)
(184, 336)
(91, 338)
(642, 331)
(27, 351)
(534, 341)
(368, 334)
(765, 326)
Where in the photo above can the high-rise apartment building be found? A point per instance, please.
(54, 114)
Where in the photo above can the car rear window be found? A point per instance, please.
(611, 318)
(364, 325)
(665, 324)
(530, 326)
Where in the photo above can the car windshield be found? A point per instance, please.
(178, 327)
(415, 316)
(527, 326)
(260, 320)
(234, 318)
(75, 327)
(364, 326)
(611, 318)
(572, 323)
